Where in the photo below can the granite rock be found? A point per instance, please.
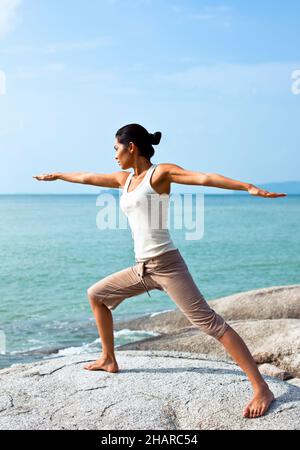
(152, 391)
(274, 341)
(276, 302)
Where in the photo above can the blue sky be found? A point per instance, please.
(214, 77)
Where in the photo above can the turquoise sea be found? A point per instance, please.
(52, 251)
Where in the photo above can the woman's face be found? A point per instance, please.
(122, 155)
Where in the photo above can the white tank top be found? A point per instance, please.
(147, 213)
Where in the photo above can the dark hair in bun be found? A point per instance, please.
(140, 137)
(155, 138)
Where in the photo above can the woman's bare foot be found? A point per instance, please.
(107, 364)
(259, 404)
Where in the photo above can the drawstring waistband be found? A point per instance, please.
(141, 267)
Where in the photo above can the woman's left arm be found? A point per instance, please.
(220, 181)
(177, 174)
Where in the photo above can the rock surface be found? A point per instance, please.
(275, 342)
(268, 319)
(273, 371)
(277, 302)
(294, 381)
(153, 390)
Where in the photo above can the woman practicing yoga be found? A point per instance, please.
(159, 264)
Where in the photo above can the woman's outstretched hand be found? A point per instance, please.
(46, 177)
(253, 190)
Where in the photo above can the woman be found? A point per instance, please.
(159, 264)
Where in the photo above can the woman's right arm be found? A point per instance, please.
(110, 180)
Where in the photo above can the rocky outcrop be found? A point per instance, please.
(153, 391)
(275, 342)
(267, 319)
(273, 371)
(277, 302)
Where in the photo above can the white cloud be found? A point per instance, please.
(234, 79)
(60, 47)
(8, 11)
(104, 75)
(218, 8)
(16, 49)
(202, 16)
(219, 14)
(78, 45)
(107, 76)
(31, 73)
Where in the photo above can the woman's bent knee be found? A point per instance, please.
(216, 326)
(208, 321)
(94, 300)
(220, 333)
(89, 294)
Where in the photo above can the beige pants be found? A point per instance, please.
(167, 272)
